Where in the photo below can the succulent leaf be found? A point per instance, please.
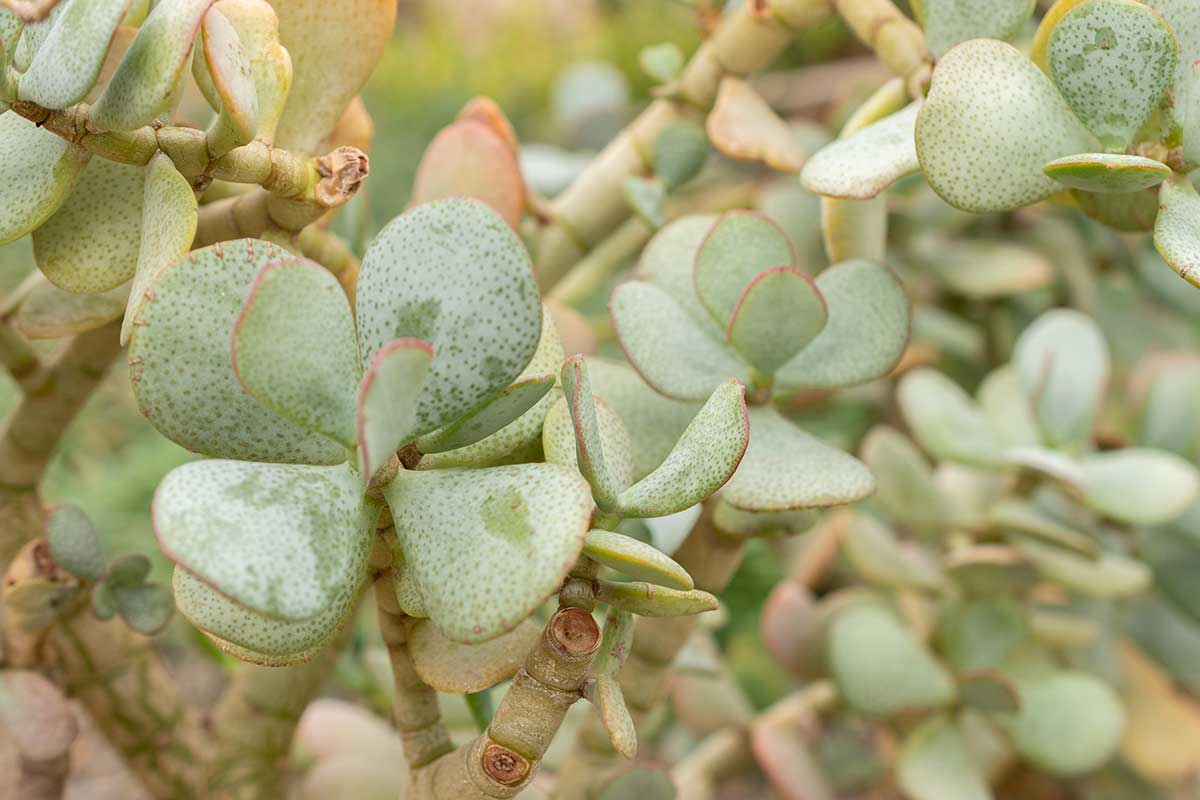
(1008, 413)
(562, 442)
(875, 553)
(1175, 234)
(490, 416)
(936, 762)
(32, 36)
(636, 559)
(1110, 575)
(605, 691)
(668, 262)
(854, 229)
(257, 29)
(1107, 172)
(387, 401)
(51, 313)
(1070, 722)
(949, 22)
(679, 153)
(780, 312)
(649, 600)
(740, 245)
(590, 444)
(74, 544)
(408, 594)
(904, 480)
(868, 161)
(741, 125)
(457, 668)
(985, 269)
(946, 421)
(38, 170)
(68, 62)
(468, 158)
(229, 69)
(1139, 486)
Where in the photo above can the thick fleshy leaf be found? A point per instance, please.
(50, 313)
(1107, 172)
(294, 349)
(255, 637)
(904, 479)
(604, 691)
(679, 153)
(1171, 405)
(408, 594)
(936, 763)
(704, 458)
(780, 312)
(1070, 722)
(868, 161)
(742, 125)
(782, 752)
(649, 600)
(644, 783)
(180, 363)
(989, 123)
(1127, 211)
(1175, 233)
(667, 347)
(37, 172)
(33, 36)
(284, 540)
(991, 570)
(635, 559)
(168, 225)
(10, 32)
(1183, 17)
(334, 48)
(74, 544)
(785, 468)
(879, 667)
(142, 86)
(661, 62)
(257, 28)
(866, 333)
(1189, 114)
(91, 243)
(945, 420)
(854, 229)
(145, 608)
(949, 22)
(457, 668)
(470, 159)
(590, 447)
(1016, 515)
(490, 416)
(561, 441)
(668, 262)
(1007, 411)
(487, 546)
(876, 555)
(1063, 364)
(1110, 575)
(647, 197)
(1139, 486)
(229, 69)
(981, 634)
(387, 401)
(69, 60)
(1113, 61)
(985, 269)
(740, 245)
(452, 273)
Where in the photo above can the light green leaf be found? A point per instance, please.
(1008, 413)
(1127, 211)
(661, 62)
(590, 444)
(904, 479)
(560, 440)
(91, 243)
(69, 60)
(1063, 364)
(487, 546)
(780, 312)
(936, 763)
(180, 362)
(74, 545)
(1139, 486)
(32, 37)
(879, 667)
(168, 225)
(387, 401)
(877, 556)
(989, 123)
(704, 458)
(945, 420)
(1183, 18)
(1107, 172)
(868, 161)
(37, 172)
(981, 634)
(647, 197)
(408, 594)
(490, 416)
(1110, 575)
(294, 349)
(1171, 410)
(454, 274)
(635, 559)
(146, 607)
(680, 152)
(142, 86)
(668, 262)
(740, 245)
(10, 31)
(1188, 103)
(334, 48)
(469, 158)
(784, 468)
(229, 71)
(284, 540)
(866, 333)
(257, 28)
(649, 600)
(1113, 61)
(1070, 722)
(949, 22)
(50, 313)
(983, 269)
(1175, 234)
(644, 783)
(456, 668)
(1015, 515)
(604, 691)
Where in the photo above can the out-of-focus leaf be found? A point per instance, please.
(457, 668)
(1163, 724)
(644, 783)
(981, 634)
(1013, 514)
(989, 691)
(1008, 412)
(1175, 235)
(936, 764)
(1139, 486)
(1110, 575)
(679, 153)
(945, 420)
(875, 554)
(983, 269)
(648, 199)
(868, 161)
(74, 545)
(661, 62)
(470, 159)
(903, 479)
(741, 125)
(50, 313)
(854, 229)
(1070, 722)
(783, 755)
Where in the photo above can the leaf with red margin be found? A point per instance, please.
(489, 416)
(739, 246)
(589, 447)
(469, 158)
(387, 401)
(778, 314)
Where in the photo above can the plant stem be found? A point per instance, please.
(598, 267)
(897, 41)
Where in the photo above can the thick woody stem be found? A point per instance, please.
(897, 41)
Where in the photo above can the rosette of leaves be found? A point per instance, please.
(1100, 114)
(721, 297)
(253, 357)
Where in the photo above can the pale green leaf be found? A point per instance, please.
(490, 416)
(257, 28)
(604, 690)
(945, 421)
(1008, 412)
(904, 479)
(1188, 103)
(228, 67)
(668, 262)
(74, 545)
(983, 269)
(457, 668)
(1183, 18)
(949, 22)
(740, 245)
(936, 763)
(37, 172)
(981, 634)
(1171, 410)
(33, 36)
(877, 556)
(487, 546)
(408, 594)
(868, 161)
(142, 86)
(649, 600)
(1016, 515)
(680, 152)
(661, 62)
(1070, 722)
(146, 607)
(866, 333)
(10, 31)
(69, 60)
(1139, 486)
(854, 229)
(593, 450)
(284, 540)
(561, 446)
(387, 401)
(635, 559)
(180, 362)
(454, 274)
(780, 312)
(1107, 172)
(294, 349)
(469, 158)
(989, 123)
(647, 197)
(50, 313)
(1110, 575)
(1176, 235)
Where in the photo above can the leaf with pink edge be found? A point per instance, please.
(490, 416)
(741, 125)
(229, 72)
(257, 28)
(778, 314)
(636, 559)
(67, 64)
(590, 447)
(739, 246)
(387, 401)
(604, 691)
(470, 159)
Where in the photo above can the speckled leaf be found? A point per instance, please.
(866, 333)
(1107, 172)
(604, 690)
(879, 667)
(742, 125)
(785, 468)
(146, 78)
(706, 455)
(294, 349)
(740, 245)
(1062, 363)
(470, 159)
(387, 401)
(986, 269)
(456, 668)
(91, 243)
(408, 594)
(668, 262)
(936, 762)
(37, 172)
(560, 441)
(1113, 61)
(228, 67)
(948, 22)
(168, 225)
(490, 416)
(1176, 235)
(636, 559)
(452, 273)
(667, 347)
(284, 540)
(145, 607)
(257, 28)
(51, 313)
(648, 600)
(69, 60)
(989, 123)
(1070, 722)
(780, 312)
(1110, 575)
(10, 31)
(487, 546)
(334, 48)
(1004, 404)
(181, 369)
(868, 161)
(1139, 486)
(255, 637)
(74, 545)
(592, 450)
(1188, 103)
(1183, 18)
(33, 36)
(904, 480)
(946, 422)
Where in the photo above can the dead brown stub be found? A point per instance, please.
(503, 765)
(574, 633)
(342, 172)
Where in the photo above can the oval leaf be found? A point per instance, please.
(740, 245)
(1139, 486)
(648, 600)
(387, 401)
(1175, 234)
(457, 668)
(1070, 723)
(936, 763)
(868, 161)
(635, 559)
(1107, 172)
(37, 172)
(949, 22)
(742, 125)
(490, 416)
(69, 60)
(469, 159)
(776, 317)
